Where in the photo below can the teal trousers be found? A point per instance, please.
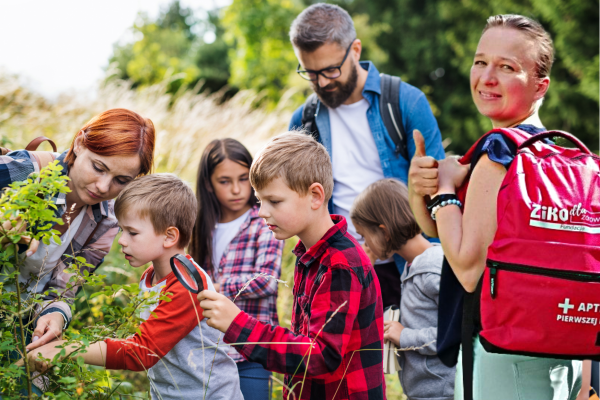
(511, 377)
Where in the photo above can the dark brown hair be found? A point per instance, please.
(209, 209)
(118, 132)
(535, 31)
(385, 202)
(164, 199)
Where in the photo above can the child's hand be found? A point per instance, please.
(392, 331)
(218, 309)
(47, 351)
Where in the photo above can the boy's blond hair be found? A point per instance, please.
(297, 158)
(163, 198)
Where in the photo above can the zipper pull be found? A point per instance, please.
(493, 282)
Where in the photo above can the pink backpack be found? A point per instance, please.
(541, 288)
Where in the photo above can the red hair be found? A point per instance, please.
(118, 132)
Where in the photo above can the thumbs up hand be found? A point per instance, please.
(423, 172)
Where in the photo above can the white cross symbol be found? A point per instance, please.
(565, 306)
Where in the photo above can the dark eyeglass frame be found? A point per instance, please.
(321, 71)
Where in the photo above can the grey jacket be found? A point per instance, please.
(423, 376)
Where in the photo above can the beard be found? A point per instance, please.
(344, 90)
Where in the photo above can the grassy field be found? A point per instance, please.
(184, 124)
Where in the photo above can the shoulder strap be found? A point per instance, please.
(309, 116)
(389, 105)
(34, 144)
(43, 158)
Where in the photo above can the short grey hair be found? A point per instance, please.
(322, 23)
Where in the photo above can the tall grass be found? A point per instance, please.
(185, 123)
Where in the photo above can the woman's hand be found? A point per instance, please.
(451, 174)
(392, 331)
(423, 172)
(20, 225)
(49, 328)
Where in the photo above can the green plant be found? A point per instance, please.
(28, 212)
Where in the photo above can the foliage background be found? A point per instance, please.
(429, 43)
(242, 84)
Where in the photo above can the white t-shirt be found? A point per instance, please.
(224, 234)
(354, 156)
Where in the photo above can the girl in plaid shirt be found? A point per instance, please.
(234, 244)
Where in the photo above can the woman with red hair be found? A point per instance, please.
(112, 149)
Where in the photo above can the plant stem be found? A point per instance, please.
(21, 327)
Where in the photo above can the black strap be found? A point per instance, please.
(467, 333)
(470, 327)
(389, 100)
(309, 116)
(389, 106)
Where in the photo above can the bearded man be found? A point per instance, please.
(346, 114)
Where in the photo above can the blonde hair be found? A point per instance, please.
(385, 202)
(297, 158)
(163, 198)
(535, 31)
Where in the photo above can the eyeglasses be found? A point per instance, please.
(329, 73)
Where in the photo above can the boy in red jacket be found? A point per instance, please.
(156, 214)
(334, 347)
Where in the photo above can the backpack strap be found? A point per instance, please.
(389, 107)
(32, 147)
(34, 144)
(43, 158)
(309, 116)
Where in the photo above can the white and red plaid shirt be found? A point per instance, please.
(252, 251)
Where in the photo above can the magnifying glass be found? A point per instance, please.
(187, 274)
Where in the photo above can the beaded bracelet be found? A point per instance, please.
(444, 203)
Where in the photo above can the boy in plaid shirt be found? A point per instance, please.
(334, 347)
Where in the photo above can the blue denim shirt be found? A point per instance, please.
(416, 114)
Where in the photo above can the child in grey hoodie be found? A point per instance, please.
(382, 215)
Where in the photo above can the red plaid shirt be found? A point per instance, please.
(346, 356)
(252, 251)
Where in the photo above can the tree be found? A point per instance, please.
(430, 44)
(174, 45)
(261, 55)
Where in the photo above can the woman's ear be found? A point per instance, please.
(386, 233)
(542, 87)
(78, 144)
(171, 237)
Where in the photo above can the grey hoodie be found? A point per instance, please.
(423, 376)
